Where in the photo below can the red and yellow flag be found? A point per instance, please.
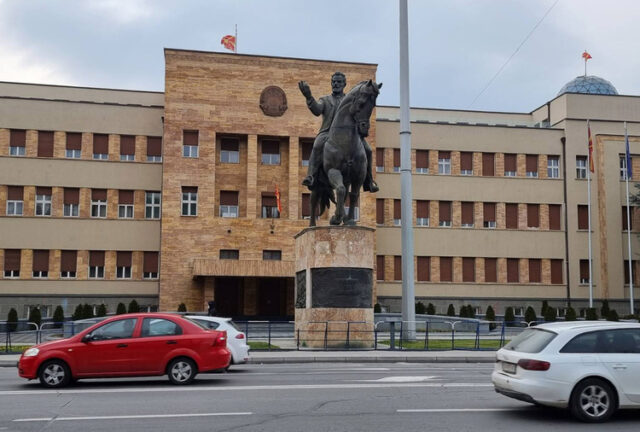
(590, 150)
(586, 55)
(278, 200)
(229, 42)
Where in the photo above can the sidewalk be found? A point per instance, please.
(379, 356)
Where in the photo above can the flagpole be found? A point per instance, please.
(589, 208)
(235, 47)
(627, 159)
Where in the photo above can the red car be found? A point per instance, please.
(142, 344)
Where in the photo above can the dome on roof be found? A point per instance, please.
(589, 85)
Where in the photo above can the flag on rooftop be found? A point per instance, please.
(229, 42)
(586, 56)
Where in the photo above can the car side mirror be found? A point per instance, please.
(86, 338)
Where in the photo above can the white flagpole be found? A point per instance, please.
(626, 175)
(589, 208)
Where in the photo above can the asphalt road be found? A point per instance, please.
(288, 397)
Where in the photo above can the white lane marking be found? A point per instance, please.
(453, 410)
(140, 416)
(402, 379)
(351, 369)
(241, 388)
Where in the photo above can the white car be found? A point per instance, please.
(236, 340)
(590, 367)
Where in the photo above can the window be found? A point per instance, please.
(127, 148)
(380, 267)
(581, 167)
(466, 214)
(96, 264)
(152, 205)
(488, 164)
(490, 270)
(583, 217)
(532, 165)
(73, 148)
(229, 204)
(229, 254)
(190, 144)
(40, 264)
(269, 206)
(511, 214)
(120, 329)
(123, 265)
(150, 265)
(446, 269)
(125, 204)
(510, 165)
(424, 269)
(444, 162)
(624, 341)
(71, 198)
(533, 215)
(272, 255)
(468, 269)
(99, 203)
(12, 263)
(189, 201)
(43, 201)
(68, 262)
(306, 206)
(627, 224)
(623, 167)
(556, 271)
(554, 217)
(466, 163)
(100, 146)
(584, 272)
(445, 214)
(270, 152)
(634, 263)
(535, 271)
(380, 211)
(397, 212)
(422, 213)
(17, 142)
(396, 160)
(489, 215)
(15, 201)
(305, 152)
(513, 270)
(397, 268)
(154, 149)
(379, 160)
(422, 161)
(152, 327)
(229, 151)
(553, 167)
(45, 144)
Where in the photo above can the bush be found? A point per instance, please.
(451, 311)
(509, 317)
(182, 307)
(543, 309)
(550, 314)
(604, 310)
(35, 316)
(463, 311)
(420, 308)
(592, 314)
(613, 315)
(58, 317)
(121, 309)
(87, 311)
(102, 310)
(490, 315)
(471, 311)
(12, 320)
(133, 307)
(570, 315)
(530, 315)
(431, 309)
(377, 308)
(77, 313)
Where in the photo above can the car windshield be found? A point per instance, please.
(531, 340)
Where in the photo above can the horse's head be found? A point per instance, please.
(364, 101)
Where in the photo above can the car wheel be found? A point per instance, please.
(182, 371)
(55, 374)
(593, 400)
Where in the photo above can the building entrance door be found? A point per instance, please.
(272, 297)
(228, 296)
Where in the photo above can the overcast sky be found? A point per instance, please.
(456, 46)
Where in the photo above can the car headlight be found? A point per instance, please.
(31, 352)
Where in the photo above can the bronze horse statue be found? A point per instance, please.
(344, 160)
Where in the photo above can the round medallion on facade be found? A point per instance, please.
(273, 101)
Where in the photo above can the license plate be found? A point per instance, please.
(509, 367)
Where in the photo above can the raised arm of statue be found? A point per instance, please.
(314, 106)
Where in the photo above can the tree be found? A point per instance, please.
(592, 314)
(35, 316)
(544, 307)
(102, 310)
(377, 308)
(463, 311)
(471, 312)
(12, 320)
(604, 310)
(530, 315)
(613, 315)
(490, 316)
(550, 314)
(121, 309)
(420, 308)
(183, 307)
(451, 311)
(87, 311)
(133, 307)
(77, 313)
(431, 309)
(58, 316)
(509, 317)
(570, 315)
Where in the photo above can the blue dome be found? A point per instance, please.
(589, 85)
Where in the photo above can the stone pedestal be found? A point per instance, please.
(334, 286)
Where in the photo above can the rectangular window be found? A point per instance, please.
(510, 165)
(15, 203)
(306, 206)
(123, 265)
(468, 269)
(189, 201)
(229, 254)
(396, 160)
(12, 263)
(488, 164)
(305, 152)
(73, 147)
(190, 141)
(533, 215)
(43, 201)
(583, 217)
(584, 271)
(152, 205)
(154, 149)
(625, 226)
(623, 167)
(347, 205)
(553, 166)
(269, 206)
(100, 146)
(68, 262)
(380, 267)
(422, 161)
(127, 148)
(554, 217)
(40, 263)
(489, 215)
(511, 214)
(422, 213)
(446, 269)
(98, 203)
(466, 214)
(150, 265)
(581, 167)
(397, 212)
(513, 270)
(71, 198)
(229, 151)
(397, 268)
(532, 165)
(556, 271)
(491, 270)
(380, 211)
(96, 264)
(379, 160)
(229, 204)
(17, 142)
(444, 219)
(270, 152)
(45, 144)
(444, 162)
(535, 271)
(271, 255)
(424, 269)
(466, 163)
(125, 204)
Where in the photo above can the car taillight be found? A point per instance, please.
(240, 336)
(221, 339)
(534, 365)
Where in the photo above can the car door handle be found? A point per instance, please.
(171, 342)
(121, 346)
(619, 366)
